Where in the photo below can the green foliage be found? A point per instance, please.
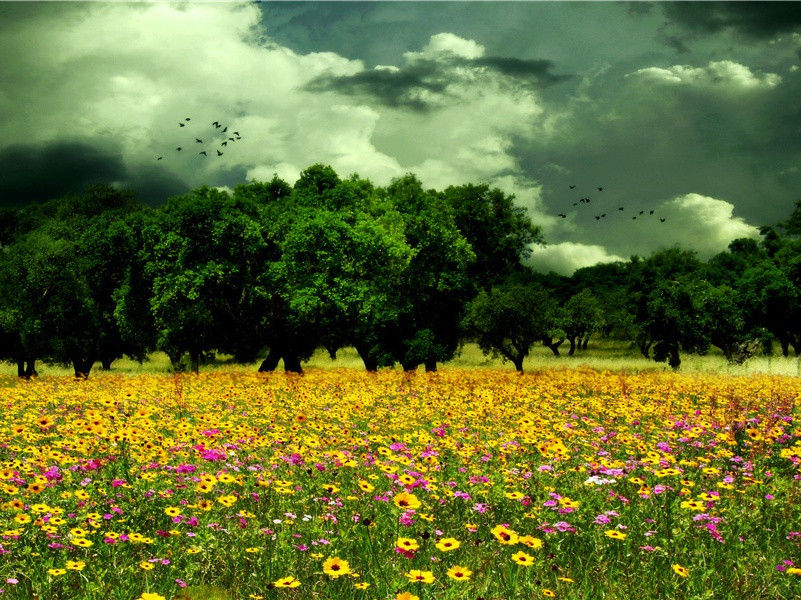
(508, 319)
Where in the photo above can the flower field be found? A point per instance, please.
(340, 484)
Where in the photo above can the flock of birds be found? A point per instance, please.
(598, 217)
(216, 134)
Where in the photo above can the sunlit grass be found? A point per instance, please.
(600, 355)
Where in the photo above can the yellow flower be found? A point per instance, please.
(448, 544)
(505, 535)
(615, 534)
(523, 559)
(416, 575)
(679, 570)
(361, 586)
(56, 572)
(335, 567)
(406, 500)
(531, 541)
(459, 573)
(287, 582)
(147, 566)
(407, 544)
(406, 596)
(151, 596)
(75, 565)
(548, 593)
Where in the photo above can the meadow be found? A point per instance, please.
(463, 484)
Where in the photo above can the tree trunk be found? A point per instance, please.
(292, 363)
(20, 367)
(518, 363)
(82, 366)
(30, 369)
(673, 358)
(431, 365)
(105, 363)
(370, 363)
(271, 362)
(194, 361)
(585, 342)
(572, 349)
(407, 366)
(554, 346)
(785, 344)
(645, 349)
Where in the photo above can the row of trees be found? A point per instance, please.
(401, 273)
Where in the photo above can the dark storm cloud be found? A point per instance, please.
(402, 87)
(35, 173)
(31, 173)
(393, 88)
(535, 71)
(759, 20)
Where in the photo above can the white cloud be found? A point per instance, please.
(564, 258)
(126, 74)
(720, 75)
(700, 222)
(444, 44)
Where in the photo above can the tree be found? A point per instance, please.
(581, 317)
(436, 284)
(498, 231)
(508, 319)
(209, 268)
(48, 307)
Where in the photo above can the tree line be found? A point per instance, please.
(270, 272)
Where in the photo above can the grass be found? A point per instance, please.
(601, 355)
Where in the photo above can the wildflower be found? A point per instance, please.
(287, 582)
(406, 500)
(151, 596)
(361, 586)
(505, 535)
(459, 573)
(416, 575)
(56, 572)
(679, 570)
(548, 593)
(75, 565)
(615, 534)
(146, 566)
(336, 567)
(448, 544)
(407, 544)
(406, 596)
(523, 559)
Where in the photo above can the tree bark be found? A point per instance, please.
(82, 366)
(271, 362)
(785, 344)
(645, 349)
(20, 367)
(105, 363)
(370, 363)
(431, 365)
(194, 361)
(518, 363)
(585, 342)
(554, 346)
(292, 363)
(30, 369)
(408, 366)
(572, 349)
(673, 358)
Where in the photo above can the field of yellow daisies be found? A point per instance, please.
(341, 484)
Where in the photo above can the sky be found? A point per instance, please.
(685, 109)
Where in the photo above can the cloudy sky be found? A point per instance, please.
(686, 109)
